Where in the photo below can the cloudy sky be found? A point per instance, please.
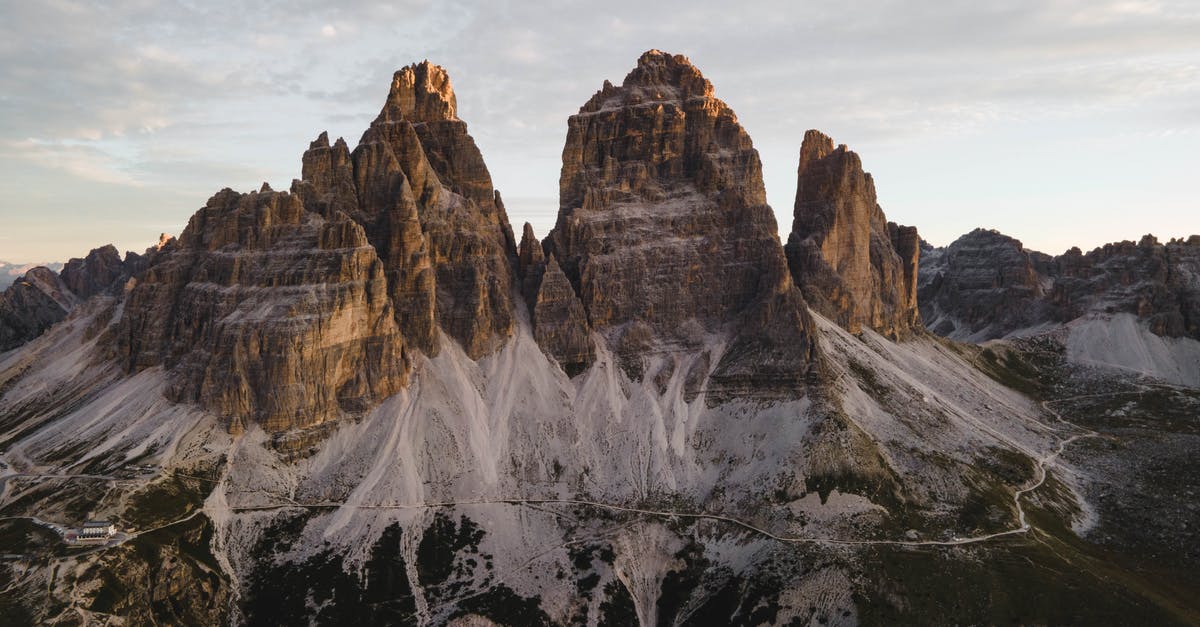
(1060, 123)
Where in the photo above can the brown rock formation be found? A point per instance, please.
(854, 266)
(32, 304)
(418, 185)
(982, 286)
(531, 265)
(94, 273)
(291, 310)
(42, 298)
(663, 227)
(266, 312)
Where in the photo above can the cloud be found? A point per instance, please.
(77, 160)
(175, 93)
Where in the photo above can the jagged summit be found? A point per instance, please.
(290, 310)
(663, 227)
(421, 92)
(658, 77)
(42, 298)
(328, 405)
(853, 265)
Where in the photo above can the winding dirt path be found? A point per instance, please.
(1043, 463)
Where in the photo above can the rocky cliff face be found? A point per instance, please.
(294, 309)
(663, 227)
(706, 466)
(94, 273)
(418, 185)
(269, 313)
(986, 285)
(854, 266)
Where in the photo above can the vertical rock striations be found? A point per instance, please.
(418, 185)
(293, 309)
(266, 312)
(664, 232)
(854, 266)
(983, 286)
(1159, 283)
(531, 265)
(559, 322)
(94, 273)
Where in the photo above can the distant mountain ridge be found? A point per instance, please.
(41, 297)
(986, 285)
(10, 272)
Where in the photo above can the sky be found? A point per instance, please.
(1061, 123)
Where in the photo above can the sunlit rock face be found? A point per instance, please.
(854, 266)
(664, 231)
(269, 313)
(418, 185)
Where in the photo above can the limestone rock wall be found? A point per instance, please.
(418, 185)
(294, 309)
(41, 298)
(560, 324)
(269, 313)
(663, 228)
(853, 266)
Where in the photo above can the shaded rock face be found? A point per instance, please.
(853, 266)
(264, 311)
(663, 228)
(89, 276)
(1160, 283)
(559, 322)
(11, 272)
(986, 285)
(32, 304)
(42, 298)
(531, 265)
(418, 186)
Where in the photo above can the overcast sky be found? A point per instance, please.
(1059, 123)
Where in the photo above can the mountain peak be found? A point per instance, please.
(421, 92)
(658, 77)
(853, 265)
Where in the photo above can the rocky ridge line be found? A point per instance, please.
(42, 298)
(986, 285)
